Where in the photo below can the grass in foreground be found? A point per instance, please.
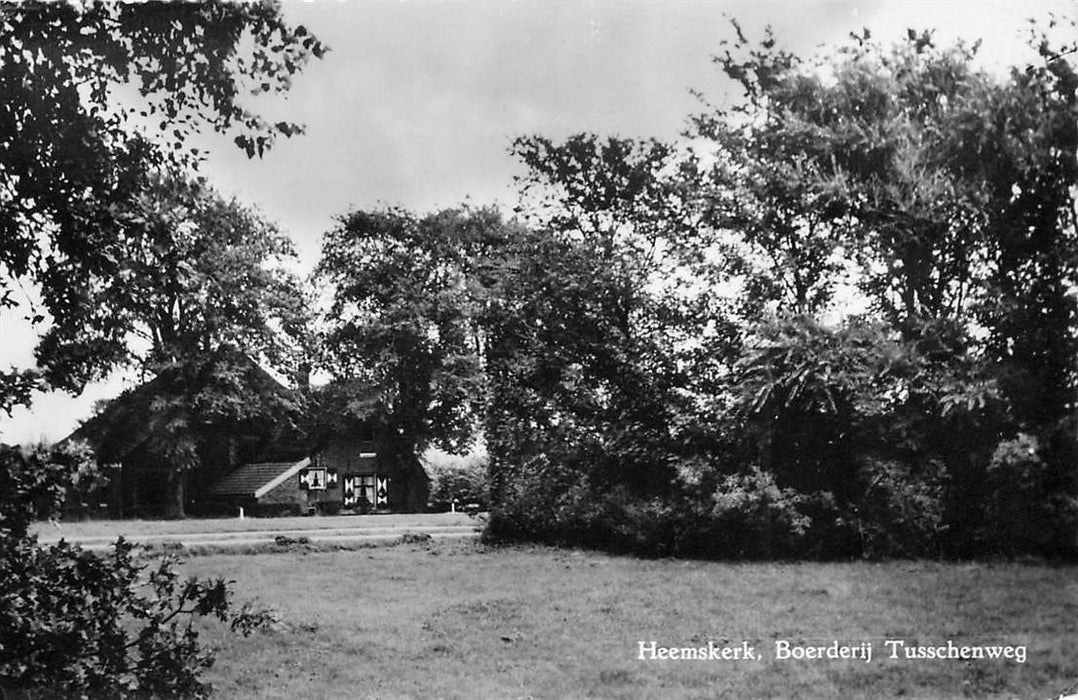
(457, 621)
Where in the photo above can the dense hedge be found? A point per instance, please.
(838, 320)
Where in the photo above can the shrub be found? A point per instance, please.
(213, 509)
(1022, 513)
(76, 624)
(753, 517)
(528, 504)
(329, 507)
(274, 510)
(901, 511)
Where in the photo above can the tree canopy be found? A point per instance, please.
(404, 323)
(133, 260)
(677, 365)
(196, 271)
(97, 99)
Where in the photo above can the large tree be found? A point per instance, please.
(205, 290)
(1023, 140)
(855, 152)
(608, 335)
(95, 99)
(404, 326)
(953, 188)
(198, 271)
(754, 182)
(956, 189)
(97, 96)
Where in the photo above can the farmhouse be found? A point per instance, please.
(346, 474)
(210, 438)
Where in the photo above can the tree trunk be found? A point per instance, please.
(177, 486)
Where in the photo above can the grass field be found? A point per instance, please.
(134, 528)
(461, 621)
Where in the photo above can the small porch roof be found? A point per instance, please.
(257, 479)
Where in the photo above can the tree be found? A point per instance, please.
(75, 148)
(758, 184)
(457, 481)
(954, 187)
(174, 434)
(200, 274)
(1023, 138)
(856, 149)
(404, 322)
(198, 271)
(201, 277)
(885, 427)
(945, 194)
(607, 337)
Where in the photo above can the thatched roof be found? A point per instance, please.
(139, 415)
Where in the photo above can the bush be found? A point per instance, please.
(524, 504)
(1022, 514)
(329, 507)
(754, 518)
(76, 624)
(213, 509)
(901, 511)
(746, 516)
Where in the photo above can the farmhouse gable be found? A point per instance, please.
(341, 474)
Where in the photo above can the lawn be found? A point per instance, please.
(49, 531)
(460, 621)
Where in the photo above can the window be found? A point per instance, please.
(365, 491)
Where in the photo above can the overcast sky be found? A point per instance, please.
(417, 103)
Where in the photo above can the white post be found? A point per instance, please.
(241, 512)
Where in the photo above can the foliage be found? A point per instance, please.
(897, 431)
(35, 484)
(659, 365)
(204, 276)
(99, 99)
(408, 294)
(955, 189)
(67, 616)
(87, 474)
(864, 137)
(77, 624)
(1023, 512)
(902, 510)
(1026, 133)
(602, 344)
(756, 518)
(196, 271)
(88, 481)
(194, 416)
(17, 388)
(76, 142)
(755, 180)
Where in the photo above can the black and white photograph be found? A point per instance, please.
(524, 350)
